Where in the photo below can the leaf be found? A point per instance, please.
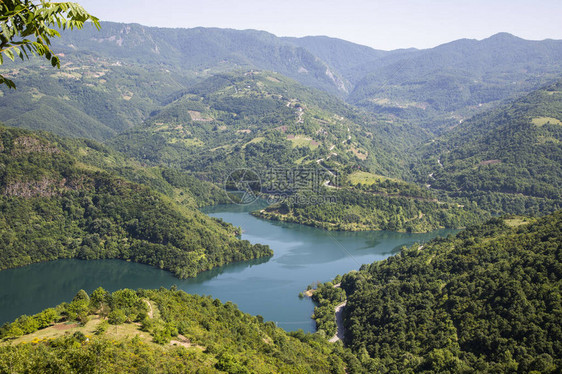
(55, 61)
(7, 82)
(9, 53)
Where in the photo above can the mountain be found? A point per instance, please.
(199, 100)
(437, 87)
(508, 160)
(54, 205)
(113, 79)
(349, 59)
(486, 300)
(200, 50)
(89, 97)
(260, 121)
(161, 331)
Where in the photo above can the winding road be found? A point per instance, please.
(339, 322)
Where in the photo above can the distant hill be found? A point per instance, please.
(437, 87)
(117, 76)
(200, 50)
(508, 160)
(89, 97)
(349, 59)
(262, 120)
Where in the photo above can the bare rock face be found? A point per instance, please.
(28, 144)
(45, 187)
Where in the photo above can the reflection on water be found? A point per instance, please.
(268, 287)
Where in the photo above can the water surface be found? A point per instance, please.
(268, 287)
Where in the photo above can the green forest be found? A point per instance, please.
(161, 330)
(359, 210)
(112, 154)
(485, 300)
(54, 206)
(507, 160)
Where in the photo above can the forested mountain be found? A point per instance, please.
(169, 331)
(262, 120)
(194, 99)
(89, 96)
(351, 60)
(201, 51)
(486, 300)
(114, 78)
(438, 87)
(54, 205)
(508, 160)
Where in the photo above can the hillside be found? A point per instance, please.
(113, 79)
(160, 331)
(507, 160)
(439, 87)
(262, 120)
(55, 206)
(486, 300)
(202, 50)
(90, 96)
(366, 201)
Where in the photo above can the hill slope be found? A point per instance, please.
(487, 300)
(54, 206)
(438, 87)
(263, 120)
(160, 331)
(204, 49)
(119, 75)
(507, 160)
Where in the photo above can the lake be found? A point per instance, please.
(268, 287)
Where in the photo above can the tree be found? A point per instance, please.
(23, 20)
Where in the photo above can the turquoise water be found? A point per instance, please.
(268, 287)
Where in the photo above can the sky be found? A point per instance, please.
(381, 24)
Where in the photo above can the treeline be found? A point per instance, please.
(355, 210)
(486, 300)
(166, 331)
(54, 207)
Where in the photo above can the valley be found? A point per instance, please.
(245, 166)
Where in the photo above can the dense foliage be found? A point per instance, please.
(174, 332)
(356, 210)
(262, 121)
(508, 160)
(438, 87)
(55, 207)
(486, 300)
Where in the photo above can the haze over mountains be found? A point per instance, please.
(435, 87)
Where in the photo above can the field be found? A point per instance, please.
(541, 121)
(366, 178)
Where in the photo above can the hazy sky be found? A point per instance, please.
(381, 24)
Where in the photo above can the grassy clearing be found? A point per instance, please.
(360, 153)
(516, 221)
(364, 177)
(302, 141)
(254, 140)
(114, 332)
(541, 121)
(190, 142)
